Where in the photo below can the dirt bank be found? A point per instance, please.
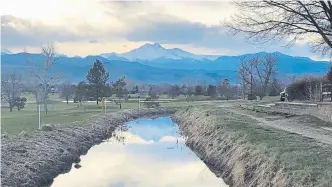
(244, 152)
(36, 159)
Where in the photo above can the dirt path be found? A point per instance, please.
(293, 125)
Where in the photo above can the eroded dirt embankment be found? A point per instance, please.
(246, 154)
(35, 160)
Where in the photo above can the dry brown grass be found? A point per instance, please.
(323, 112)
(245, 154)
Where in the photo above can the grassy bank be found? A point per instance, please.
(246, 154)
(36, 159)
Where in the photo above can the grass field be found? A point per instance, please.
(26, 120)
(59, 113)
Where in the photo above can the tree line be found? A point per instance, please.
(96, 87)
(42, 82)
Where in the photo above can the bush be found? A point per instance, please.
(151, 102)
(251, 97)
(307, 88)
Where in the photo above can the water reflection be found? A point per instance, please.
(149, 154)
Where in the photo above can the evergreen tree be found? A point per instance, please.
(120, 90)
(97, 78)
(20, 102)
(198, 90)
(175, 91)
(81, 92)
(212, 91)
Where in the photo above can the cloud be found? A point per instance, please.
(139, 165)
(93, 41)
(94, 27)
(164, 29)
(19, 32)
(172, 139)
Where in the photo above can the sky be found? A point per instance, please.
(90, 27)
(154, 145)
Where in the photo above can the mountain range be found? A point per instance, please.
(153, 64)
(151, 52)
(5, 52)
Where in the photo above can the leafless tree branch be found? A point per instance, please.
(267, 20)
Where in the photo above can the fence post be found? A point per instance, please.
(321, 91)
(39, 127)
(105, 105)
(139, 102)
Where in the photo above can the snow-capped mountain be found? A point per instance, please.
(150, 52)
(5, 52)
(113, 56)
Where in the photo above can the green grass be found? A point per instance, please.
(59, 112)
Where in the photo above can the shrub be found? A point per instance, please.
(251, 97)
(151, 102)
(307, 88)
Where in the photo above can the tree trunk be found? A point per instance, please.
(45, 105)
(97, 99)
(67, 98)
(10, 108)
(18, 108)
(45, 98)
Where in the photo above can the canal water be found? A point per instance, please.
(142, 153)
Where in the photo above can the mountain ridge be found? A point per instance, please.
(150, 52)
(165, 70)
(152, 63)
(5, 52)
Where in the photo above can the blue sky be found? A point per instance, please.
(84, 27)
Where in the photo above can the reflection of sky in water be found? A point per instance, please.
(150, 157)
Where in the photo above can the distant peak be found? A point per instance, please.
(157, 45)
(6, 51)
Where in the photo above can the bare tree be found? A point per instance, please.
(257, 72)
(246, 72)
(265, 69)
(11, 86)
(225, 88)
(67, 91)
(265, 21)
(41, 71)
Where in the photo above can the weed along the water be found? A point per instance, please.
(152, 144)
